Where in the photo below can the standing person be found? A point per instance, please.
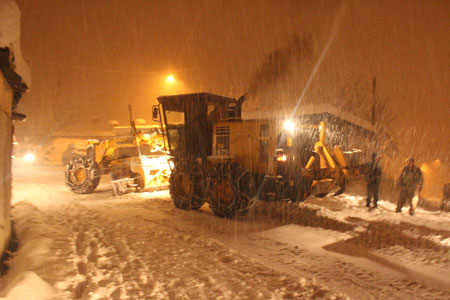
(373, 178)
(445, 204)
(411, 183)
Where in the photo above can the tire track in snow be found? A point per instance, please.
(118, 257)
(331, 270)
(336, 272)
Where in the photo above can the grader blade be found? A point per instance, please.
(342, 184)
(340, 191)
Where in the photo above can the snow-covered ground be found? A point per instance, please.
(138, 246)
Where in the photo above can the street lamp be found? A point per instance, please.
(170, 78)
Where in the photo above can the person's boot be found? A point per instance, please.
(411, 212)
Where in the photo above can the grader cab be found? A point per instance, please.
(228, 162)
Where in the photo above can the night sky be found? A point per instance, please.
(93, 58)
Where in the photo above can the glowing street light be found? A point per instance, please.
(170, 78)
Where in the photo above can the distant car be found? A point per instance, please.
(25, 153)
(445, 206)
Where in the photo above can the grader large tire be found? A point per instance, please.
(82, 175)
(445, 204)
(232, 191)
(185, 187)
(303, 190)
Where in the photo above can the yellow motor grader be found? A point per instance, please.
(135, 162)
(228, 162)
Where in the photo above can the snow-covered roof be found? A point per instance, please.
(125, 129)
(83, 134)
(10, 37)
(304, 110)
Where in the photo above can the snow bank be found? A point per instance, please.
(28, 285)
(9, 23)
(34, 247)
(353, 204)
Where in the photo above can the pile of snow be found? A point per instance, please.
(353, 204)
(28, 285)
(21, 282)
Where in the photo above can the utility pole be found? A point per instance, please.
(374, 105)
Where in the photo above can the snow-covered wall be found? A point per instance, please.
(14, 79)
(10, 37)
(6, 97)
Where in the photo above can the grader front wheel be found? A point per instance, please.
(303, 190)
(232, 191)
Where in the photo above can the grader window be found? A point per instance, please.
(175, 117)
(175, 130)
(177, 138)
(264, 130)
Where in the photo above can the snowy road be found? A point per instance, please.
(139, 246)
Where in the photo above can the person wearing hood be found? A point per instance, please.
(411, 184)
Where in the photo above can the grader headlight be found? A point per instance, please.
(282, 158)
(289, 126)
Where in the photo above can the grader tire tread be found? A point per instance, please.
(232, 192)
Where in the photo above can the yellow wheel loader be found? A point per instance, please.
(228, 162)
(135, 162)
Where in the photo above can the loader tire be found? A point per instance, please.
(185, 187)
(82, 175)
(232, 191)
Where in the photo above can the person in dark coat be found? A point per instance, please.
(373, 179)
(411, 183)
(445, 204)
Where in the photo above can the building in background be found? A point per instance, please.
(343, 128)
